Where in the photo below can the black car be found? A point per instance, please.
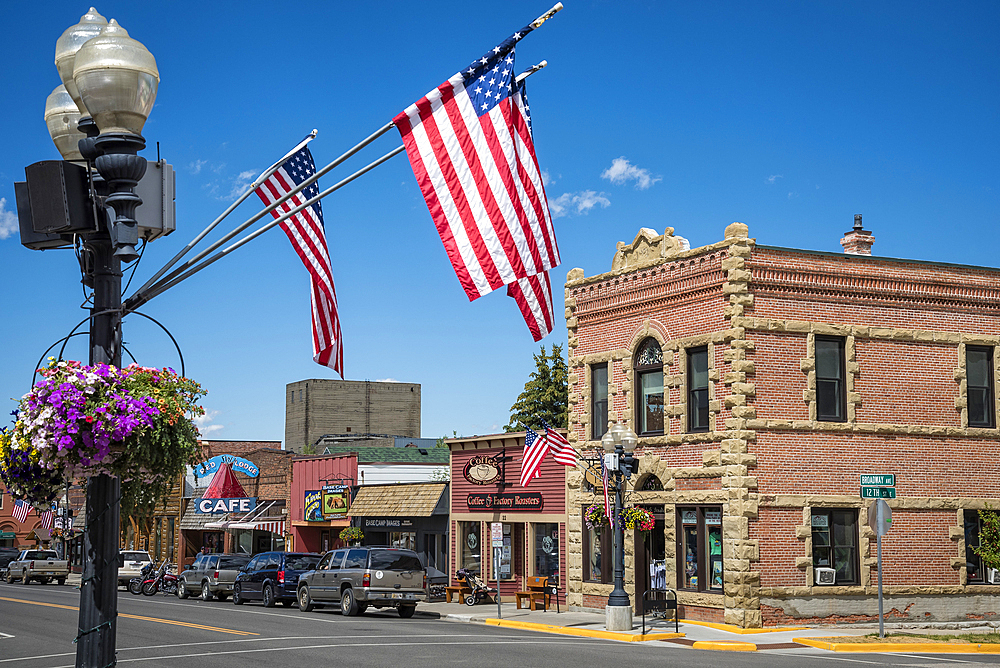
(272, 576)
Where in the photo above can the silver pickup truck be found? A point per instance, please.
(211, 575)
(41, 565)
(360, 577)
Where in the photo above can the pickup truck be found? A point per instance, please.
(42, 565)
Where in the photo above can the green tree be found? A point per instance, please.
(545, 396)
(989, 538)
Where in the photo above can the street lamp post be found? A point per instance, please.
(619, 443)
(112, 79)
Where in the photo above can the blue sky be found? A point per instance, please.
(788, 116)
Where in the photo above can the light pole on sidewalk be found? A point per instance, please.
(619, 443)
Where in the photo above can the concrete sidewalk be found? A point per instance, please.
(701, 635)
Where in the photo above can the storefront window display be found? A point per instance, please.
(597, 551)
(701, 547)
(546, 549)
(404, 540)
(469, 534)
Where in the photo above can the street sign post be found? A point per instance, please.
(878, 492)
(496, 540)
(880, 519)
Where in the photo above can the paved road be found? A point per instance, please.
(38, 623)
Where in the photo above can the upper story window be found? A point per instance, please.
(697, 384)
(649, 387)
(831, 391)
(979, 386)
(599, 401)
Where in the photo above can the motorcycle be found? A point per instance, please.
(135, 584)
(162, 580)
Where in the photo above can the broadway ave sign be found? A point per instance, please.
(521, 501)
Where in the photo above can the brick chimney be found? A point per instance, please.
(858, 241)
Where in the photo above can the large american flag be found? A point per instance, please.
(561, 450)
(470, 146)
(21, 509)
(305, 231)
(535, 448)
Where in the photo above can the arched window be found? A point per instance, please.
(651, 484)
(649, 388)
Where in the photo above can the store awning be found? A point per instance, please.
(410, 500)
(274, 526)
(7, 534)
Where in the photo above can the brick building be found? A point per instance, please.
(762, 383)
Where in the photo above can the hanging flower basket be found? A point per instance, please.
(638, 519)
(352, 534)
(134, 423)
(594, 517)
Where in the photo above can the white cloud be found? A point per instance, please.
(204, 423)
(196, 166)
(237, 186)
(547, 178)
(792, 195)
(621, 172)
(8, 220)
(386, 380)
(774, 177)
(579, 203)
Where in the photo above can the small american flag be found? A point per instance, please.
(535, 448)
(470, 146)
(561, 450)
(21, 509)
(306, 232)
(607, 501)
(46, 516)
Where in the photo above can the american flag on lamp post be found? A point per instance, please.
(306, 232)
(21, 509)
(470, 146)
(46, 516)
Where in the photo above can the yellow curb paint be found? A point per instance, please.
(582, 633)
(725, 646)
(139, 617)
(921, 647)
(731, 628)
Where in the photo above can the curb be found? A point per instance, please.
(730, 628)
(921, 647)
(583, 633)
(725, 645)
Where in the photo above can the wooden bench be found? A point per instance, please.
(535, 592)
(461, 591)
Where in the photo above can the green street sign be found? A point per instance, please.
(878, 493)
(878, 480)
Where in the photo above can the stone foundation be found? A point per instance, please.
(863, 609)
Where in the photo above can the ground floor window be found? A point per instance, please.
(699, 564)
(546, 549)
(598, 550)
(403, 540)
(835, 542)
(974, 571)
(470, 546)
(213, 541)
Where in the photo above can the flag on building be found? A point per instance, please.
(561, 450)
(21, 509)
(46, 516)
(535, 448)
(607, 500)
(306, 232)
(470, 146)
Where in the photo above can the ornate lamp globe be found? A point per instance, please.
(69, 43)
(117, 79)
(61, 116)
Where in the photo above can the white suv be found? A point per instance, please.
(133, 560)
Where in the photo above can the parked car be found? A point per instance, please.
(7, 555)
(131, 562)
(360, 577)
(41, 565)
(211, 574)
(272, 576)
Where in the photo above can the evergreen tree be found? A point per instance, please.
(545, 396)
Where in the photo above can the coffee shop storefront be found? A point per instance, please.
(485, 489)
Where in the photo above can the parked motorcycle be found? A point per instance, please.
(135, 584)
(162, 580)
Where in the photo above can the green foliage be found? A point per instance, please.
(310, 449)
(989, 538)
(440, 443)
(545, 396)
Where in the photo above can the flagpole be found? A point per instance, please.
(137, 300)
(249, 191)
(531, 70)
(278, 202)
(547, 15)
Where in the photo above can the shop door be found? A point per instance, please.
(650, 555)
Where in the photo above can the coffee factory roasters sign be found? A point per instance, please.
(483, 470)
(515, 501)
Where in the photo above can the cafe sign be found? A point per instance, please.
(516, 501)
(483, 470)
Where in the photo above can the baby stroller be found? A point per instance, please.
(480, 590)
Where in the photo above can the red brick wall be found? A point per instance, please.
(775, 532)
(917, 550)
(779, 378)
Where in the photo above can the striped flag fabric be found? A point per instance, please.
(470, 146)
(533, 296)
(21, 509)
(306, 232)
(535, 448)
(607, 500)
(46, 516)
(561, 450)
